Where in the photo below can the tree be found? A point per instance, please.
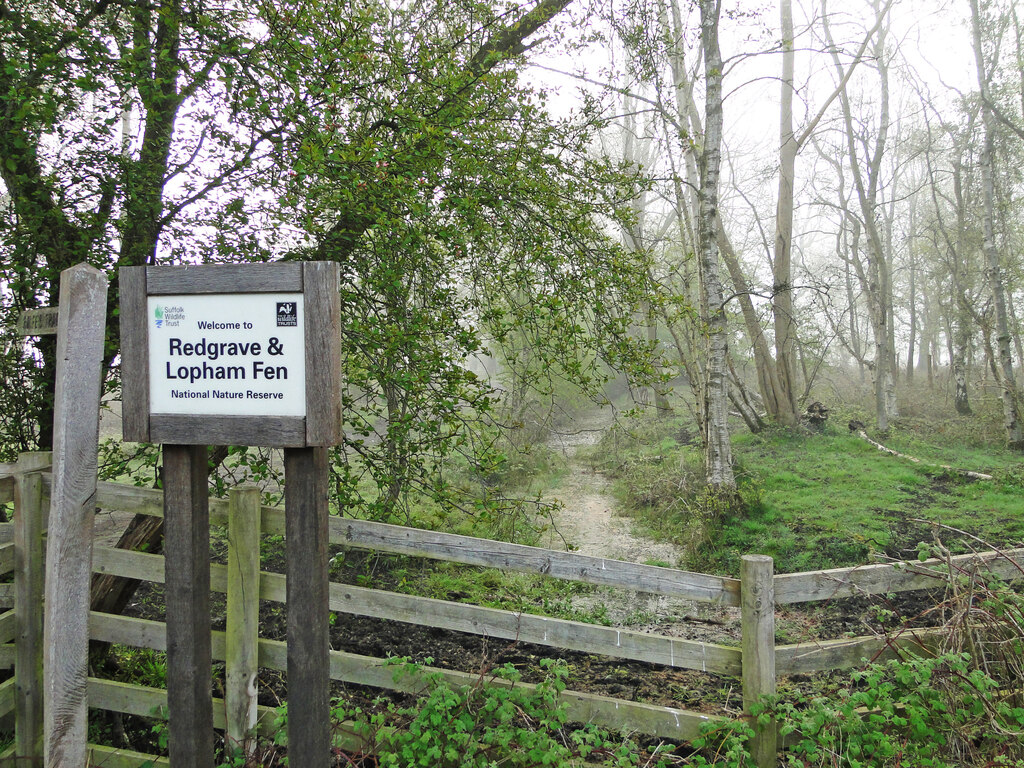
(397, 141)
(1011, 414)
(952, 229)
(81, 185)
(717, 444)
(865, 154)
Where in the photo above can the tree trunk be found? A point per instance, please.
(782, 290)
(1015, 326)
(877, 282)
(686, 109)
(959, 351)
(855, 341)
(717, 444)
(912, 298)
(993, 271)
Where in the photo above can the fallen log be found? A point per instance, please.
(965, 472)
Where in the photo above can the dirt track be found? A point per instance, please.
(589, 523)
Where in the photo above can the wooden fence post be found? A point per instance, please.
(243, 614)
(76, 427)
(187, 584)
(309, 706)
(29, 522)
(757, 607)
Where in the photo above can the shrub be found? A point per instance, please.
(495, 721)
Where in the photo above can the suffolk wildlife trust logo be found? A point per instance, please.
(287, 314)
(169, 317)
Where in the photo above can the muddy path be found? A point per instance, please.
(589, 522)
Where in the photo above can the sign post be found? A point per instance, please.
(237, 355)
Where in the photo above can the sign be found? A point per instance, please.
(38, 322)
(233, 354)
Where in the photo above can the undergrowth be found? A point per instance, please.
(809, 500)
(494, 721)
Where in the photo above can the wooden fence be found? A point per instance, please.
(757, 662)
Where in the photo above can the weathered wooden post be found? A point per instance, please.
(80, 335)
(237, 355)
(29, 522)
(243, 614)
(757, 615)
(309, 732)
(187, 596)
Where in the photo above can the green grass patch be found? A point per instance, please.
(814, 501)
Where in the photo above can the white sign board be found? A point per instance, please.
(227, 354)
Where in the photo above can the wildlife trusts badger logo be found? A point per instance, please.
(287, 314)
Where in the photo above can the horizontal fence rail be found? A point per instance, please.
(884, 578)
(660, 721)
(357, 669)
(790, 588)
(468, 550)
(461, 617)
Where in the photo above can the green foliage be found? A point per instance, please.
(398, 141)
(19, 395)
(141, 666)
(496, 721)
(810, 501)
(660, 477)
(939, 712)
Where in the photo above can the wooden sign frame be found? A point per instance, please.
(41, 321)
(317, 281)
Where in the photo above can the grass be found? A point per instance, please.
(818, 500)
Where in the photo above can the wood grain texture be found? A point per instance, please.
(113, 757)
(472, 619)
(41, 321)
(757, 615)
(243, 613)
(666, 722)
(7, 472)
(80, 338)
(142, 701)
(540, 630)
(517, 557)
(852, 652)
(134, 354)
(365, 534)
(277, 277)
(892, 577)
(617, 714)
(322, 318)
(305, 500)
(8, 626)
(29, 514)
(187, 545)
(269, 431)
(6, 697)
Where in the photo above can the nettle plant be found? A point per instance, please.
(494, 721)
(959, 703)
